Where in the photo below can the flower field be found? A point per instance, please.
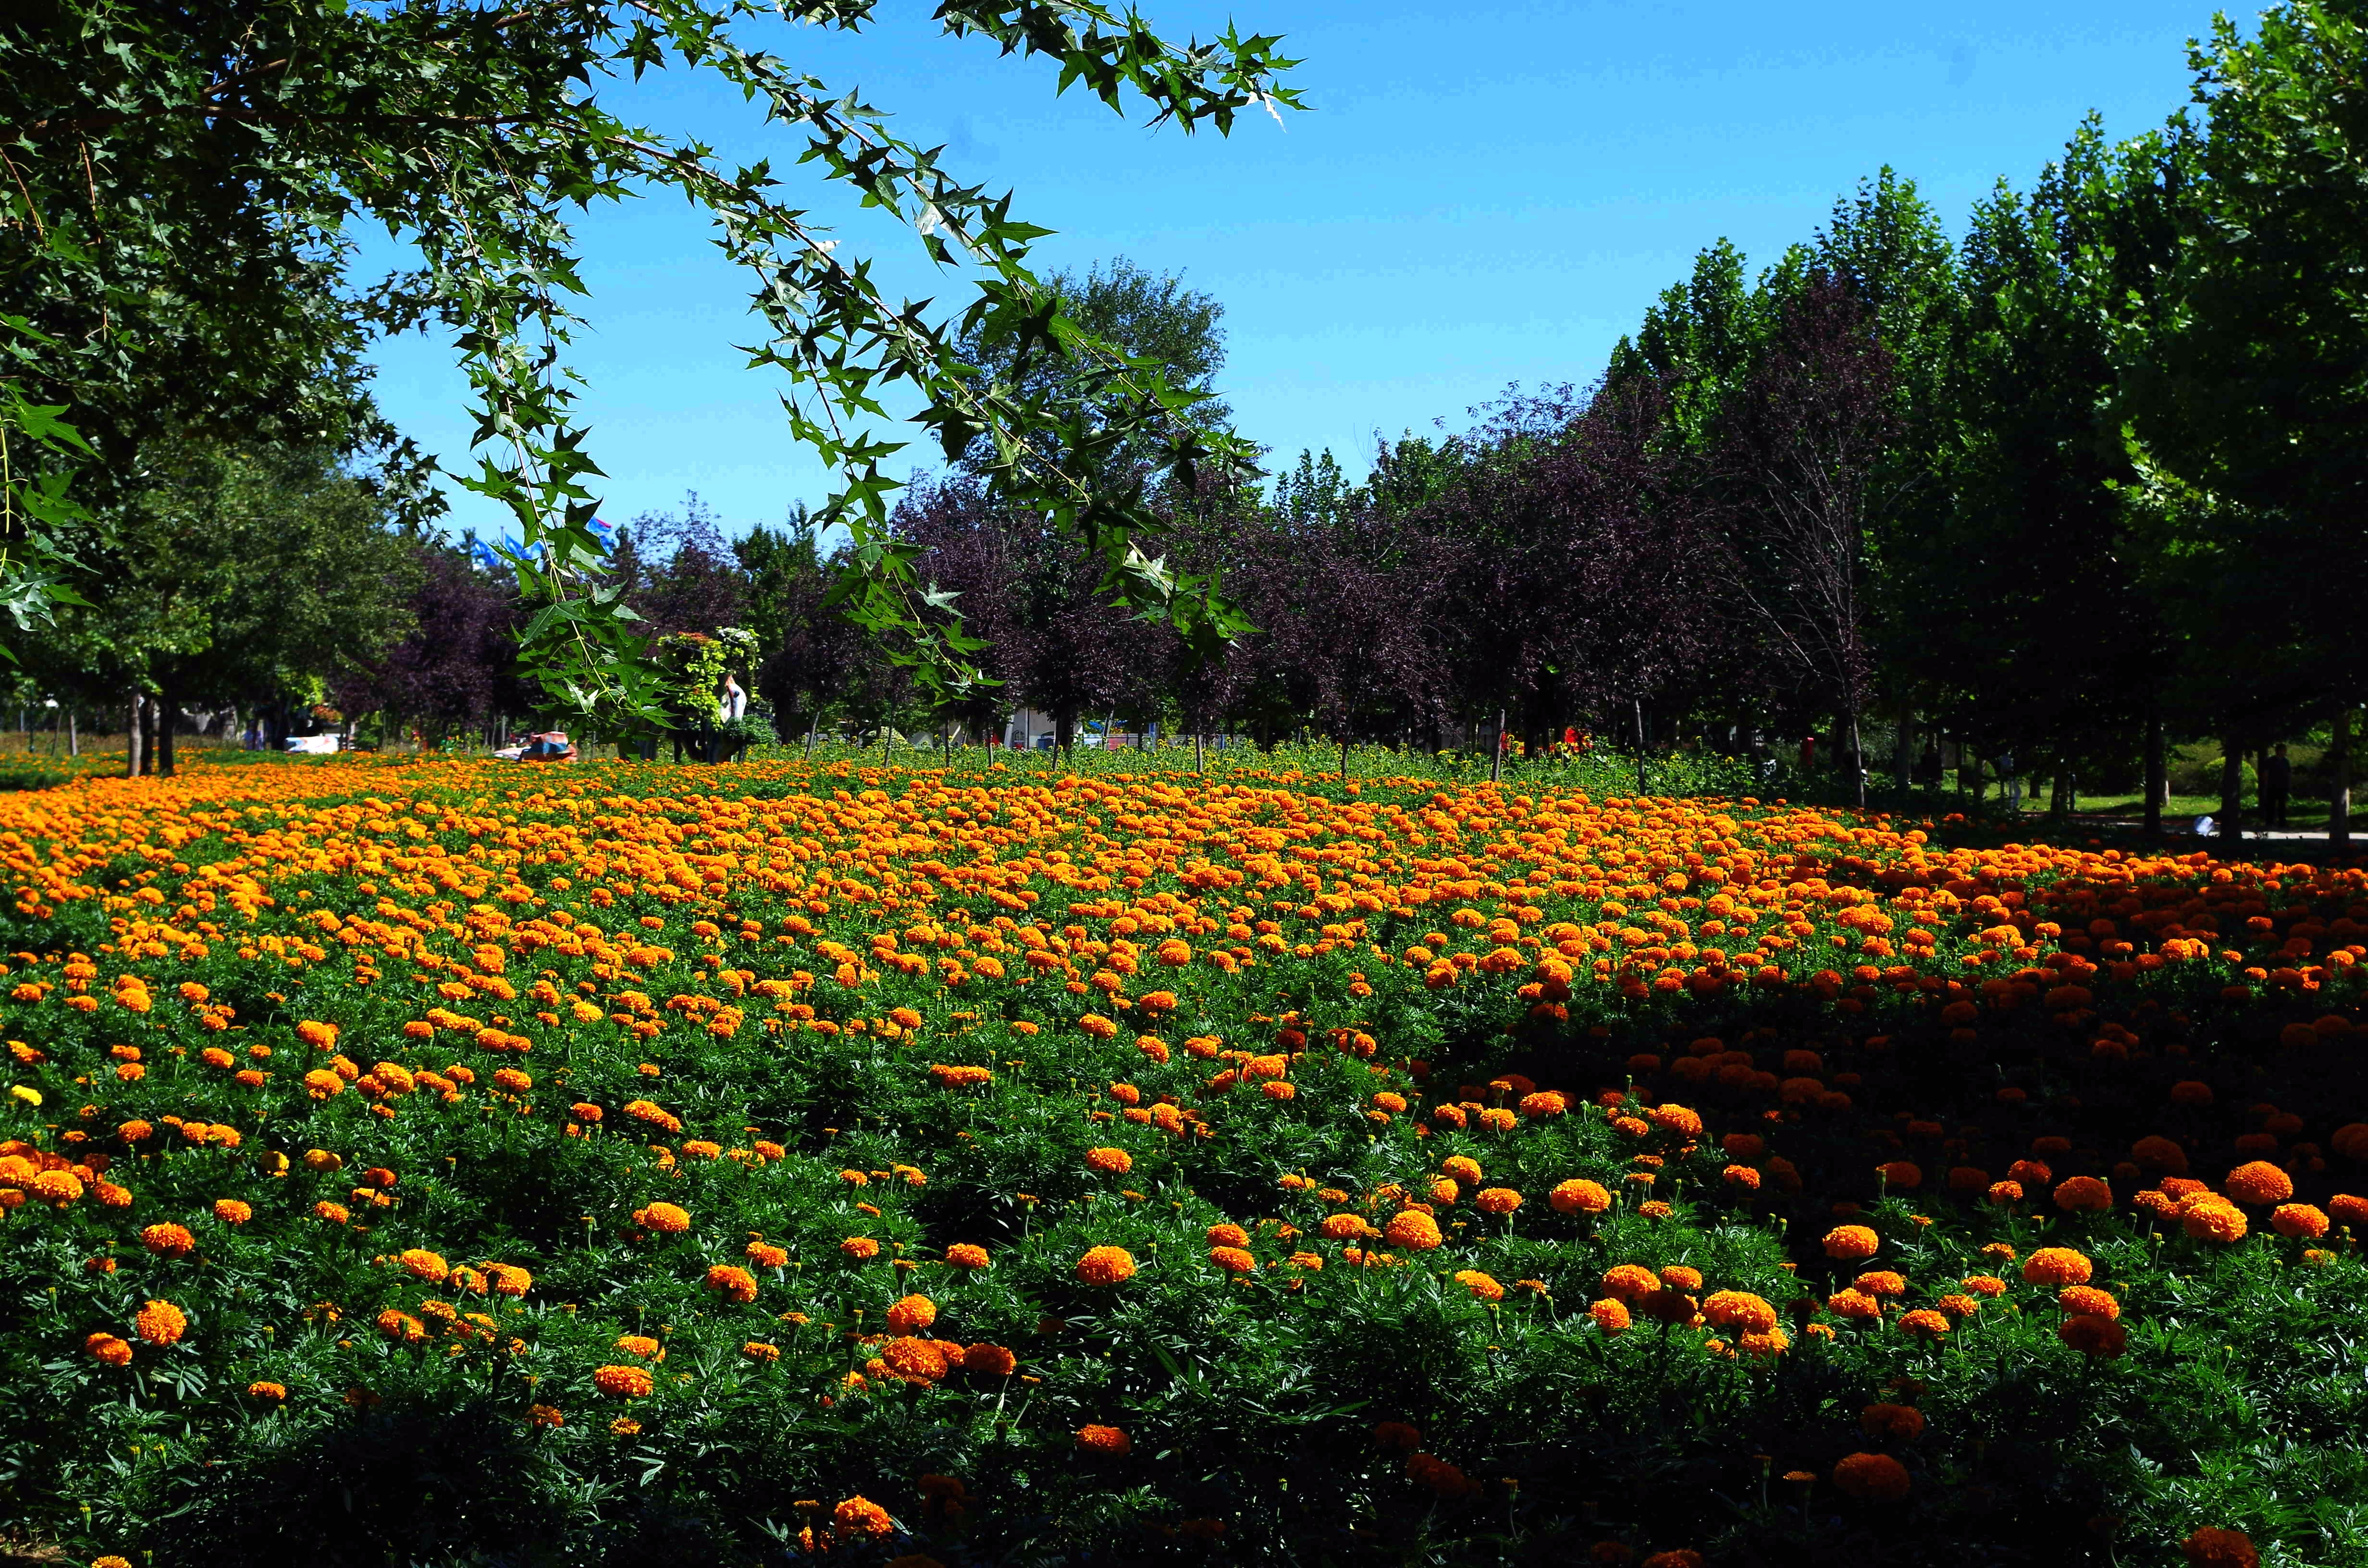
(439, 1162)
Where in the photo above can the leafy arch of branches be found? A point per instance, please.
(135, 137)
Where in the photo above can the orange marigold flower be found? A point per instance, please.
(421, 1264)
(2214, 1220)
(2102, 1337)
(1629, 1282)
(663, 1218)
(2086, 1300)
(2299, 1219)
(1677, 1119)
(1924, 1324)
(109, 1349)
(989, 1360)
(1855, 1304)
(1483, 1287)
(273, 1391)
(1234, 1260)
(2056, 1267)
(765, 1254)
(1463, 1167)
(1848, 1243)
(2258, 1182)
(963, 1254)
(1738, 1311)
(1578, 1196)
(2083, 1193)
(1396, 1438)
(860, 1248)
(1106, 1265)
(160, 1323)
(168, 1239)
(1880, 1282)
(2211, 1547)
(231, 1211)
(1984, 1284)
(401, 1327)
(1413, 1230)
(626, 1382)
(732, 1283)
(910, 1312)
(1104, 1440)
(1872, 1477)
(911, 1357)
(1496, 1200)
(1895, 1423)
(859, 1518)
(1114, 1162)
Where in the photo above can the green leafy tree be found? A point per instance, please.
(237, 576)
(2246, 366)
(470, 131)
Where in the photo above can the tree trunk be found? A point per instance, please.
(1496, 751)
(2232, 791)
(166, 707)
(2339, 790)
(1199, 764)
(1856, 761)
(73, 734)
(131, 735)
(2158, 777)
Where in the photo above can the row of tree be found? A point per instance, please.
(2083, 482)
(2089, 480)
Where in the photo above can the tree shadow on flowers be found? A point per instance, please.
(403, 1483)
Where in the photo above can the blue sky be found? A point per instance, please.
(1483, 194)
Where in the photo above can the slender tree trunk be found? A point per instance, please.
(131, 735)
(1857, 760)
(812, 724)
(2158, 777)
(1640, 746)
(73, 734)
(2232, 791)
(1199, 764)
(167, 707)
(1496, 751)
(2339, 791)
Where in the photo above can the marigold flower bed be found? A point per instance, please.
(447, 1162)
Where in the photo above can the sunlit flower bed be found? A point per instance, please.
(453, 1162)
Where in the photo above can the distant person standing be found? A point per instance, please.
(1808, 753)
(2277, 785)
